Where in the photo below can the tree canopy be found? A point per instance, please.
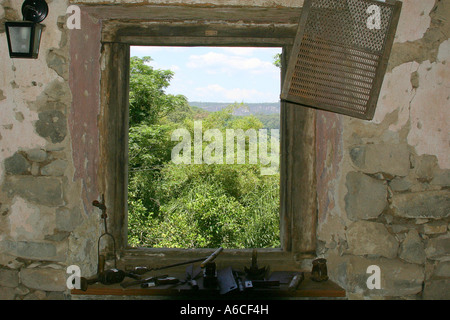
(191, 205)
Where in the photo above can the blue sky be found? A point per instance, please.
(218, 74)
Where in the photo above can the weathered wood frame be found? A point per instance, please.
(298, 203)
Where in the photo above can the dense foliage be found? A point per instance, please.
(192, 205)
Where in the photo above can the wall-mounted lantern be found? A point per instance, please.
(24, 37)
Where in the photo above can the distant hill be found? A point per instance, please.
(253, 108)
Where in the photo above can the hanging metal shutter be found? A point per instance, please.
(340, 55)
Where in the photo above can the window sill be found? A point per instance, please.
(276, 259)
(306, 289)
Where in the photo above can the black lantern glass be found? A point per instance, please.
(24, 37)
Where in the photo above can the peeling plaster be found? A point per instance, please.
(27, 222)
(417, 11)
(22, 81)
(396, 95)
(430, 113)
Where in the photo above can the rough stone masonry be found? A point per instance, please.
(383, 186)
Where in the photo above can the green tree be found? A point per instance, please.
(147, 99)
(277, 60)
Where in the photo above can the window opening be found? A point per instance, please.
(204, 147)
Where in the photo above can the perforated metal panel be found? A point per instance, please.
(340, 55)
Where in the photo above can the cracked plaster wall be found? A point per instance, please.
(383, 185)
(44, 223)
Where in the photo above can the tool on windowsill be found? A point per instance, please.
(144, 270)
(296, 280)
(319, 270)
(110, 276)
(102, 258)
(211, 257)
(106, 277)
(210, 275)
(254, 272)
(191, 277)
(160, 282)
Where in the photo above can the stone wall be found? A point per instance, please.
(383, 186)
(44, 223)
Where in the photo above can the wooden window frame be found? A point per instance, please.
(298, 200)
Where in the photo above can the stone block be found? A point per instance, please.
(52, 125)
(68, 219)
(44, 279)
(401, 184)
(7, 293)
(37, 155)
(54, 168)
(437, 289)
(438, 248)
(427, 204)
(9, 278)
(392, 159)
(412, 248)
(425, 166)
(17, 164)
(441, 178)
(371, 238)
(30, 250)
(435, 227)
(366, 197)
(397, 278)
(442, 269)
(39, 190)
(58, 63)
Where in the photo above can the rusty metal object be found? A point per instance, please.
(210, 258)
(101, 258)
(296, 280)
(141, 281)
(107, 277)
(226, 280)
(210, 275)
(339, 60)
(319, 270)
(254, 272)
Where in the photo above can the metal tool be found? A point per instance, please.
(160, 282)
(265, 283)
(296, 280)
(254, 272)
(319, 271)
(210, 258)
(107, 277)
(142, 281)
(210, 275)
(101, 258)
(226, 280)
(191, 277)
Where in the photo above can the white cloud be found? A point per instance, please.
(216, 63)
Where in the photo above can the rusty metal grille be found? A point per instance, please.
(338, 62)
